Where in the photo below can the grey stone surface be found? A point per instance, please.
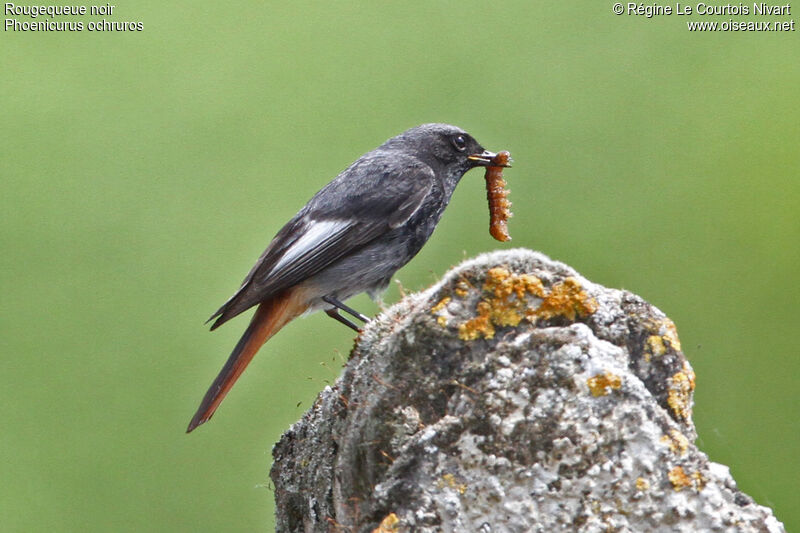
(512, 396)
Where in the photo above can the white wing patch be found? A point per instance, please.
(316, 233)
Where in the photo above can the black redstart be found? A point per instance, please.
(351, 237)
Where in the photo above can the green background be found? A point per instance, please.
(143, 173)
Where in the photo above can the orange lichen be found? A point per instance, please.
(505, 302)
(441, 305)
(602, 384)
(671, 334)
(679, 479)
(664, 328)
(676, 441)
(449, 480)
(388, 524)
(655, 347)
(462, 289)
(567, 299)
(642, 484)
(480, 325)
(441, 319)
(679, 395)
(699, 481)
(503, 284)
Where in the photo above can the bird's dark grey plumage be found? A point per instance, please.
(366, 223)
(351, 237)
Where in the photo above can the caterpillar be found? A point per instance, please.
(496, 194)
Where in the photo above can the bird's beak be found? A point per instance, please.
(485, 159)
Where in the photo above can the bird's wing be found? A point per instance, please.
(367, 200)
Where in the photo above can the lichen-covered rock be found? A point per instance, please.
(512, 396)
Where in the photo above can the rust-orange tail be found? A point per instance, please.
(270, 317)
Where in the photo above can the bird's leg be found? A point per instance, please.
(336, 303)
(334, 313)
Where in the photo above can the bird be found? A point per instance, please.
(351, 237)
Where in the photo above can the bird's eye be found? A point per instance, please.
(460, 143)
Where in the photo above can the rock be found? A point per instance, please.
(512, 396)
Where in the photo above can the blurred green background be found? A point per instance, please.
(143, 174)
